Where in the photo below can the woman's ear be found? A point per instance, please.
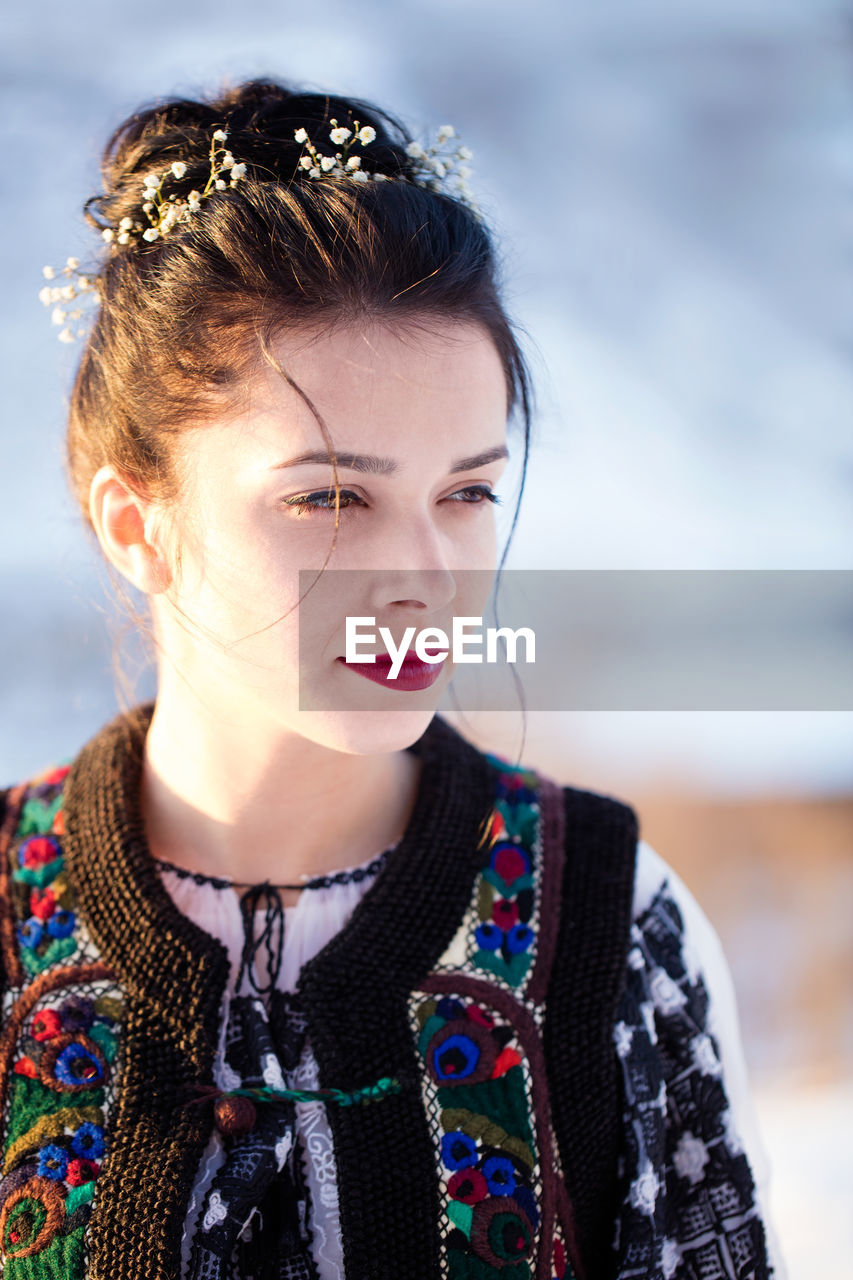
(126, 526)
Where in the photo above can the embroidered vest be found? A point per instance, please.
(480, 972)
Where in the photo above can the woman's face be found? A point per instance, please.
(417, 418)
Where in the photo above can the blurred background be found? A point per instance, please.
(672, 187)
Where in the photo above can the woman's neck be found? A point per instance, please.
(221, 799)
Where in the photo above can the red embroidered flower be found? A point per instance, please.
(42, 903)
(26, 1067)
(58, 827)
(468, 1185)
(80, 1171)
(505, 913)
(46, 1024)
(509, 862)
(38, 851)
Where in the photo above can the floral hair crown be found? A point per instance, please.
(433, 166)
(436, 167)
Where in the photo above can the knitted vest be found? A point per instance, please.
(481, 972)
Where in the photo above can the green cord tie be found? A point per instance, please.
(368, 1093)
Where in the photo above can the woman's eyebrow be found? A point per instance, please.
(376, 465)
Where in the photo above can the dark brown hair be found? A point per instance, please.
(183, 319)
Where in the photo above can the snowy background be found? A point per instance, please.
(672, 185)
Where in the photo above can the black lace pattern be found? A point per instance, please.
(689, 1209)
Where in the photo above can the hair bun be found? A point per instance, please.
(261, 118)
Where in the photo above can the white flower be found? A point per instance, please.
(221, 184)
(72, 263)
(301, 135)
(306, 163)
(415, 150)
(194, 195)
(238, 171)
(354, 162)
(366, 135)
(126, 224)
(705, 1056)
(220, 135)
(151, 180)
(464, 172)
(339, 136)
(358, 175)
(67, 292)
(667, 995)
(65, 335)
(644, 1190)
(314, 172)
(438, 169)
(58, 316)
(46, 296)
(179, 168)
(108, 234)
(227, 161)
(670, 1258)
(48, 273)
(380, 177)
(151, 234)
(217, 1211)
(193, 204)
(446, 131)
(690, 1158)
(124, 238)
(327, 163)
(623, 1035)
(464, 153)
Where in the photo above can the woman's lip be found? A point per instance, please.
(413, 674)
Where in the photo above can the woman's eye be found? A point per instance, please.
(476, 494)
(322, 500)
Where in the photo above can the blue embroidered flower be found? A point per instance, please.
(456, 1058)
(53, 1162)
(31, 932)
(61, 924)
(489, 936)
(458, 1150)
(88, 1141)
(525, 1197)
(77, 1066)
(518, 939)
(500, 1175)
(77, 1013)
(448, 1008)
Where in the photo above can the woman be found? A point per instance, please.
(298, 982)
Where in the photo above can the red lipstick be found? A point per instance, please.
(413, 674)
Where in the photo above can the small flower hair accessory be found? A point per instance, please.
(166, 211)
(58, 294)
(436, 167)
(162, 211)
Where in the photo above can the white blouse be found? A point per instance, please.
(319, 914)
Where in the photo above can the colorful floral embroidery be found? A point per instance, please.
(476, 1071)
(59, 1069)
(506, 898)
